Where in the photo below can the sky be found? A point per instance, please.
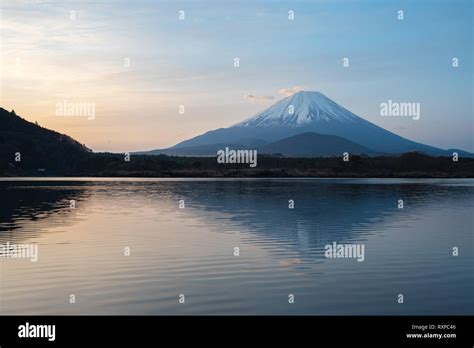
(138, 63)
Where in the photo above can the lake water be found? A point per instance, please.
(190, 250)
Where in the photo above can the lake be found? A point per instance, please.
(232, 246)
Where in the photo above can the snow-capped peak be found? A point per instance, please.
(301, 108)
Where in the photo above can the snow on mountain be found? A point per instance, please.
(300, 109)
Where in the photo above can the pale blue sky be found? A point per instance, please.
(48, 57)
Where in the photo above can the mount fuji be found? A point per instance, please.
(302, 112)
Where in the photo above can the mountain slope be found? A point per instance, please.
(39, 148)
(199, 150)
(310, 112)
(303, 145)
(314, 145)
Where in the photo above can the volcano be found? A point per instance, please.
(300, 113)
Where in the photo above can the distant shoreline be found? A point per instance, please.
(204, 179)
(96, 165)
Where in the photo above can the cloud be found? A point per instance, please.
(258, 98)
(290, 91)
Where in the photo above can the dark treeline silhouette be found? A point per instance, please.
(27, 149)
(114, 165)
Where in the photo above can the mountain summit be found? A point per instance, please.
(302, 112)
(299, 109)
